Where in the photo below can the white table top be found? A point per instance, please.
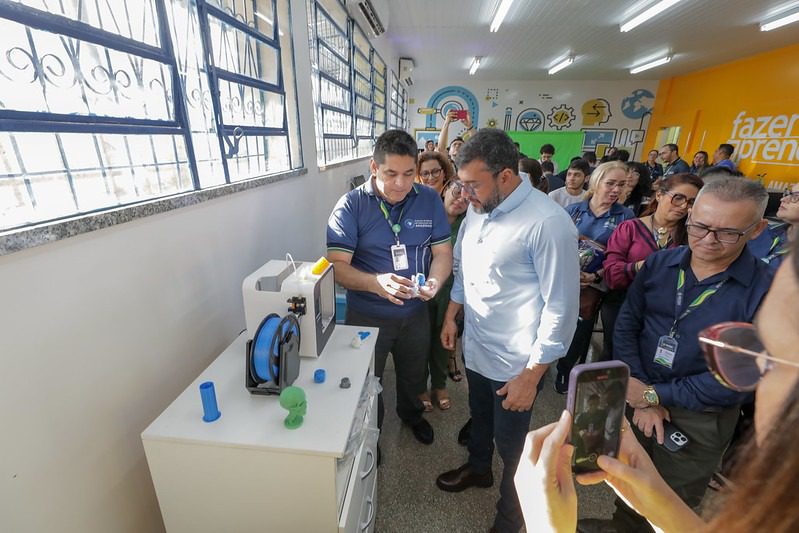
(250, 420)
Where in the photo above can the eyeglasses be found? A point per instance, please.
(791, 197)
(735, 355)
(613, 184)
(458, 187)
(680, 200)
(727, 236)
(434, 174)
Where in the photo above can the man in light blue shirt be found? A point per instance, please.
(516, 279)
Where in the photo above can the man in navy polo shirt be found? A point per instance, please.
(379, 237)
(677, 294)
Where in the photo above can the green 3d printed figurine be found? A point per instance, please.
(293, 399)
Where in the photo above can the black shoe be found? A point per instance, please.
(561, 383)
(423, 431)
(463, 434)
(464, 477)
(595, 525)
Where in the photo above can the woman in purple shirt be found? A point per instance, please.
(661, 226)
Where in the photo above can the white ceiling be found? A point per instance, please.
(442, 37)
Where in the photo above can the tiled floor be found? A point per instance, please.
(408, 499)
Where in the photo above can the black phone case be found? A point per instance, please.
(674, 439)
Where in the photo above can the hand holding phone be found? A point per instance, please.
(674, 439)
(459, 114)
(596, 400)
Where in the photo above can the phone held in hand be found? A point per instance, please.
(674, 439)
(596, 401)
(459, 114)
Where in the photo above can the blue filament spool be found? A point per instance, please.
(266, 346)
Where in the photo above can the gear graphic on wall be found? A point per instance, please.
(491, 123)
(561, 117)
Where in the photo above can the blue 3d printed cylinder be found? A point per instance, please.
(208, 396)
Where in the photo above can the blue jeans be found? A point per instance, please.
(492, 423)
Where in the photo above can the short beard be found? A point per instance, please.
(490, 204)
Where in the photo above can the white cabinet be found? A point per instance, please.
(246, 472)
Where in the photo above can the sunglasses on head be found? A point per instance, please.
(736, 356)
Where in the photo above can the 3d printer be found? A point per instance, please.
(290, 310)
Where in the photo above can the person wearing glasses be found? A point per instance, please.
(379, 236)
(433, 170)
(675, 295)
(661, 226)
(672, 163)
(773, 244)
(595, 218)
(516, 277)
(741, 357)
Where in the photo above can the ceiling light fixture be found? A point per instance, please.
(779, 22)
(475, 65)
(653, 11)
(561, 65)
(499, 16)
(651, 64)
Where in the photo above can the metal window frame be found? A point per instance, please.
(38, 121)
(224, 130)
(18, 121)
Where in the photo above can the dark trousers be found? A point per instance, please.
(611, 305)
(438, 361)
(408, 340)
(689, 470)
(491, 423)
(578, 348)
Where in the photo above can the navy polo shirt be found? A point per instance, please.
(598, 228)
(358, 226)
(772, 245)
(649, 311)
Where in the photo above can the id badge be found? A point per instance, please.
(666, 351)
(400, 257)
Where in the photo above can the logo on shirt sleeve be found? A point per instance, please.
(418, 223)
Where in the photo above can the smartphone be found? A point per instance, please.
(674, 439)
(596, 401)
(459, 114)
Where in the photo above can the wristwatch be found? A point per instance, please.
(651, 396)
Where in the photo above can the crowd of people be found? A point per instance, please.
(520, 262)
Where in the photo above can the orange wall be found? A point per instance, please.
(760, 92)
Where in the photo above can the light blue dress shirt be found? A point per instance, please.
(517, 275)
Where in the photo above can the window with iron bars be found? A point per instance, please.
(106, 104)
(349, 84)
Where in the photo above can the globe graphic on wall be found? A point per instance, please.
(637, 104)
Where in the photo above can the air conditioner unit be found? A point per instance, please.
(371, 15)
(406, 65)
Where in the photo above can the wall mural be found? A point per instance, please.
(616, 114)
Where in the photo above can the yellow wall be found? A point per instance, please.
(760, 92)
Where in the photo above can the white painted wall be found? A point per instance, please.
(100, 332)
(495, 100)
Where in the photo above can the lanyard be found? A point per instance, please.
(395, 227)
(775, 252)
(699, 300)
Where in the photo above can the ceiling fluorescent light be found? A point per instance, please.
(779, 22)
(653, 11)
(475, 65)
(651, 64)
(562, 65)
(499, 16)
